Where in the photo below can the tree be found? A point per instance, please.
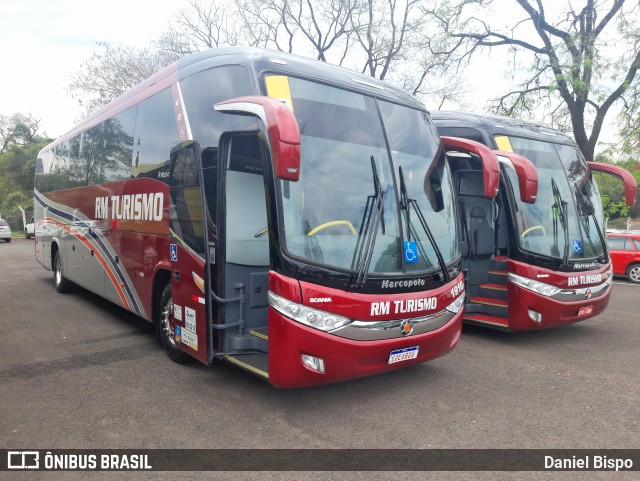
(203, 25)
(379, 37)
(18, 129)
(113, 70)
(581, 60)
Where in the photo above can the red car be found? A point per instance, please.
(624, 248)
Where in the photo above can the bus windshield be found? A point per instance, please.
(567, 214)
(344, 210)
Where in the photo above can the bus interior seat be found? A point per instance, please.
(481, 233)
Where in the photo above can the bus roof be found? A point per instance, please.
(496, 124)
(258, 60)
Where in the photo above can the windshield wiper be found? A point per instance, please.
(585, 208)
(405, 204)
(372, 216)
(559, 208)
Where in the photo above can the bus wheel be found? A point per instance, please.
(59, 280)
(167, 335)
(633, 273)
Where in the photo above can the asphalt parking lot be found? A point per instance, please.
(78, 372)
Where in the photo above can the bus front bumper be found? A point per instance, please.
(342, 358)
(532, 311)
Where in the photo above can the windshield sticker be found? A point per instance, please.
(278, 88)
(410, 252)
(503, 143)
(577, 246)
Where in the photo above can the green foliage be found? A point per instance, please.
(17, 168)
(612, 191)
(10, 209)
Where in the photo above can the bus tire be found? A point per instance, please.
(59, 280)
(165, 328)
(633, 273)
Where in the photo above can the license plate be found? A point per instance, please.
(585, 311)
(405, 354)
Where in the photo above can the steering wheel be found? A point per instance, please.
(346, 223)
(531, 229)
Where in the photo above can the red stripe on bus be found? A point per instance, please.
(98, 256)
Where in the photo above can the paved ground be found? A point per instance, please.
(78, 372)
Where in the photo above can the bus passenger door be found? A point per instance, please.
(187, 250)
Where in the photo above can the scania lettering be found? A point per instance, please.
(256, 206)
(536, 255)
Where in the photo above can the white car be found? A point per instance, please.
(5, 231)
(29, 229)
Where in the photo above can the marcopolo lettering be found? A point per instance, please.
(145, 207)
(387, 284)
(585, 265)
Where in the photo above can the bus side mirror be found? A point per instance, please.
(630, 185)
(282, 128)
(527, 175)
(490, 166)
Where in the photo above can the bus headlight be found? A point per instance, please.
(535, 286)
(456, 305)
(324, 321)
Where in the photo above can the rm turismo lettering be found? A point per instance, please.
(404, 306)
(147, 207)
(581, 280)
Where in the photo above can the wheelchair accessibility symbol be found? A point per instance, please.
(410, 252)
(173, 248)
(577, 246)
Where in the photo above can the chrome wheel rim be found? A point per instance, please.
(634, 274)
(58, 272)
(167, 331)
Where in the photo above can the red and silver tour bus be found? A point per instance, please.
(535, 256)
(285, 215)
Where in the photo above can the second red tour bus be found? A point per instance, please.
(535, 256)
(290, 217)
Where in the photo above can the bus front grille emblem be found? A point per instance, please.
(406, 327)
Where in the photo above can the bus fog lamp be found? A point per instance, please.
(535, 316)
(314, 363)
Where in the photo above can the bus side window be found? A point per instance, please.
(210, 182)
(155, 135)
(186, 196)
(247, 240)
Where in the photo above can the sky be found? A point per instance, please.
(45, 42)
